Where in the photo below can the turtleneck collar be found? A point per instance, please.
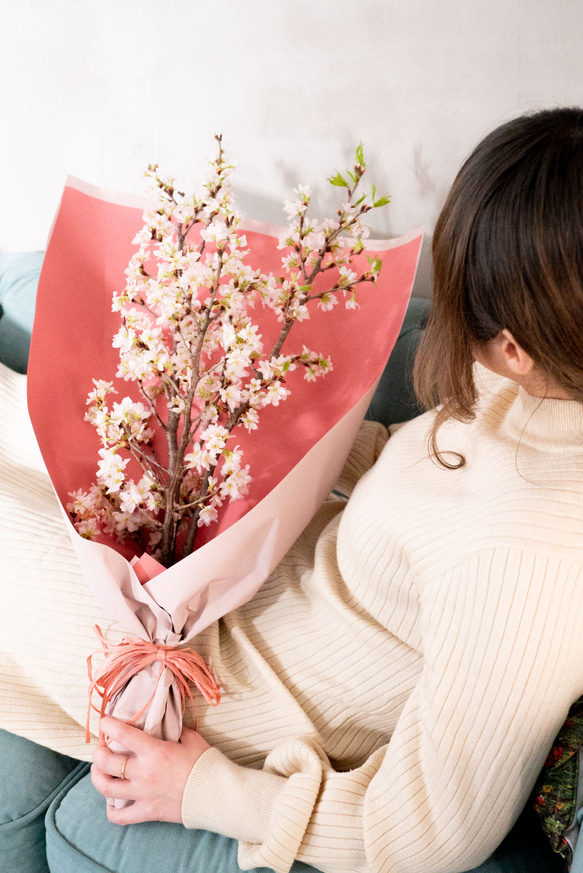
(546, 423)
(542, 423)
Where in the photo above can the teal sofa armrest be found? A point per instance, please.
(19, 275)
(394, 400)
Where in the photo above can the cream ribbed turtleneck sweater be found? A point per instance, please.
(390, 694)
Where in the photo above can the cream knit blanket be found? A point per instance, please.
(47, 610)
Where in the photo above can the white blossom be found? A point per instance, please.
(327, 301)
(250, 419)
(208, 514)
(216, 231)
(236, 484)
(275, 393)
(347, 277)
(88, 528)
(110, 470)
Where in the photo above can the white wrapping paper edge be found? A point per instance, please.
(140, 201)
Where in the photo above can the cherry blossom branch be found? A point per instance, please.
(188, 340)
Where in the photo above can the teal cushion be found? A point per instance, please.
(30, 777)
(80, 839)
(19, 275)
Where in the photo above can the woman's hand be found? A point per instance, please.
(155, 772)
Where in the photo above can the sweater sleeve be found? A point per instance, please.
(503, 653)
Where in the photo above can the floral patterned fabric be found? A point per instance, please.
(555, 794)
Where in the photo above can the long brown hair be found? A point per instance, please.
(508, 253)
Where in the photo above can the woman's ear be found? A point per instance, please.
(505, 356)
(517, 361)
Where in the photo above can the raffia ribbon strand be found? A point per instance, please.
(126, 659)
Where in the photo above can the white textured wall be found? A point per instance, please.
(99, 89)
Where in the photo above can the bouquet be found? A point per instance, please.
(187, 339)
(229, 437)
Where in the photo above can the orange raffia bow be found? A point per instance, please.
(127, 658)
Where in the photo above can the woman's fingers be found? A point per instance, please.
(150, 772)
(126, 735)
(130, 814)
(111, 786)
(112, 763)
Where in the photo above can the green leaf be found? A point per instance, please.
(338, 180)
(382, 201)
(360, 154)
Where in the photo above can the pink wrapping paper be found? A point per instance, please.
(295, 455)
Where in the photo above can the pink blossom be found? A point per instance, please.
(110, 470)
(233, 396)
(88, 528)
(327, 301)
(215, 437)
(347, 277)
(199, 459)
(236, 484)
(250, 419)
(208, 514)
(216, 231)
(275, 393)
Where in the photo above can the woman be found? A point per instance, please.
(391, 693)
